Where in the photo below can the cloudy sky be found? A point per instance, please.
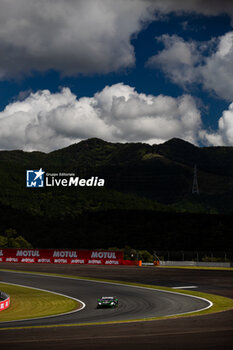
(123, 71)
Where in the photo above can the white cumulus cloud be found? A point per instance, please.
(206, 7)
(178, 59)
(207, 63)
(217, 71)
(224, 135)
(45, 121)
(82, 36)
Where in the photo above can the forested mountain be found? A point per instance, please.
(147, 183)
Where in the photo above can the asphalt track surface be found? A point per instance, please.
(213, 331)
(134, 302)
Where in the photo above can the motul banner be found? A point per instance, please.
(4, 304)
(61, 256)
(60, 253)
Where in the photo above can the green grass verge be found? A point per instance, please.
(220, 303)
(32, 303)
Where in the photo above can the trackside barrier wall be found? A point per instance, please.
(4, 301)
(195, 263)
(59, 256)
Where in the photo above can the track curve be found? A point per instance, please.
(134, 302)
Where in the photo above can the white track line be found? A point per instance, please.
(47, 291)
(126, 285)
(184, 287)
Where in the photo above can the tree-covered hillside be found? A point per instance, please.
(136, 176)
(144, 187)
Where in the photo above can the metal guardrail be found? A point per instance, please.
(195, 263)
(196, 256)
(189, 263)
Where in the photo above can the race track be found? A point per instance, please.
(134, 302)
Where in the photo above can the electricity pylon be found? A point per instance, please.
(195, 189)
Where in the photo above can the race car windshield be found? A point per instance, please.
(107, 298)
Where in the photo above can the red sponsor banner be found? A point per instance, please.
(4, 304)
(64, 256)
(60, 253)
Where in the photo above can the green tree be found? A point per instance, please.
(12, 240)
(20, 242)
(10, 234)
(145, 256)
(3, 242)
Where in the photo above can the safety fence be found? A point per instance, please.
(195, 256)
(4, 301)
(196, 263)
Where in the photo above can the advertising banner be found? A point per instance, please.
(63, 256)
(4, 304)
